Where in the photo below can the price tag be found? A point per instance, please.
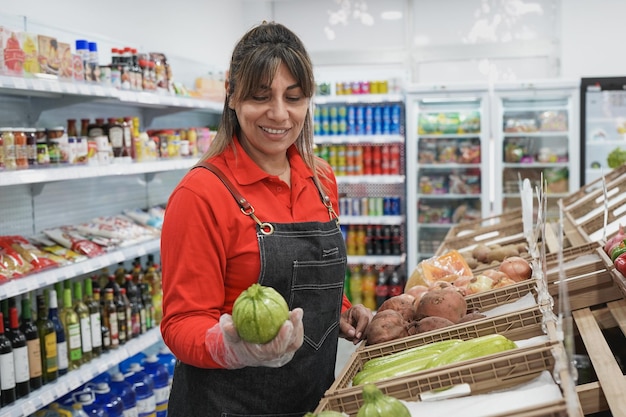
(47, 397)
(55, 86)
(70, 88)
(83, 89)
(28, 408)
(19, 82)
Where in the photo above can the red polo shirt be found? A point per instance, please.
(209, 249)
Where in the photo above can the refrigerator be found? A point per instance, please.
(602, 126)
(536, 133)
(447, 162)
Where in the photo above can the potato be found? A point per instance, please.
(448, 304)
(431, 323)
(480, 252)
(403, 304)
(385, 326)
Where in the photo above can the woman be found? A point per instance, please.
(262, 210)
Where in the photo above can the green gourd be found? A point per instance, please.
(258, 313)
(377, 404)
(325, 414)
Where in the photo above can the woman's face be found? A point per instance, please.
(273, 117)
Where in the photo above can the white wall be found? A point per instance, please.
(578, 37)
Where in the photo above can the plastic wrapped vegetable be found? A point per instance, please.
(377, 404)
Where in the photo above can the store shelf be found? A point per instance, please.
(73, 172)
(449, 196)
(382, 220)
(377, 260)
(371, 179)
(360, 98)
(358, 139)
(544, 134)
(447, 166)
(55, 88)
(74, 379)
(51, 276)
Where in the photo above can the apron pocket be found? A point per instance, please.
(317, 287)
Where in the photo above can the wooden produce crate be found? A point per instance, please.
(585, 209)
(483, 375)
(618, 278)
(608, 393)
(589, 281)
(519, 325)
(487, 300)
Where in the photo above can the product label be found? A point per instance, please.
(34, 358)
(131, 412)
(146, 406)
(7, 371)
(63, 362)
(50, 344)
(96, 333)
(20, 356)
(85, 333)
(73, 342)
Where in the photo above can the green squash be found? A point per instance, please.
(258, 313)
(326, 414)
(377, 404)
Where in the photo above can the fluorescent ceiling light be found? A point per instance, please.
(391, 15)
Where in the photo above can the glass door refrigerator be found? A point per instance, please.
(535, 137)
(602, 126)
(447, 163)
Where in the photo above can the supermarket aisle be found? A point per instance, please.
(344, 351)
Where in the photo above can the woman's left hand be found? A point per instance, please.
(354, 322)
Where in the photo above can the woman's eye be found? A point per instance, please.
(259, 98)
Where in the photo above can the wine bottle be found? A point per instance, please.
(94, 318)
(48, 341)
(104, 332)
(121, 317)
(146, 298)
(85, 322)
(127, 314)
(135, 312)
(109, 317)
(72, 331)
(33, 345)
(20, 354)
(7, 368)
(53, 315)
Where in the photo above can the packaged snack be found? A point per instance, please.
(11, 52)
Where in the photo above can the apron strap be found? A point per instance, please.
(244, 205)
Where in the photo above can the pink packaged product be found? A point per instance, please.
(11, 52)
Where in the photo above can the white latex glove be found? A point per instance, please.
(228, 350)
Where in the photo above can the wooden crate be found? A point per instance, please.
(517, 325)
(608, 393)
(492, 372)
(505, 233)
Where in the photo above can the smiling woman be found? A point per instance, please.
(258, 209)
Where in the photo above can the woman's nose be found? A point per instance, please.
(278, 110)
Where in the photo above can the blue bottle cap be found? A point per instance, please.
(93, 47)
(81, 44)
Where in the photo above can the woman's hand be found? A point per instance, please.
(353, 323)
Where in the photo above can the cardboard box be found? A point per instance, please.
(48, 54)
(11, 53)
(31, 53)
(65, 60)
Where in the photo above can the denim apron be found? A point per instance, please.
(305, 262)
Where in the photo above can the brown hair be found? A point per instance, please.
(254, 62)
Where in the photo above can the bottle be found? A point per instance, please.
(396, 286)
(146, 298)
(109, 317)
(29, 329)
(169, 360)
(382, 287)
(94, 61)
(110, 402)
(71, 322)
(127, 313)
(135, 313)
(87, 399)
(356, 285)
(48, 341)
(105, 335)
(97, 128)
(7, 368)
(122, 324)
(346, 285)
(116, 139)
(368, 287)
(53, 315)
(116, 73)
(161, 387)
(8, 144)
(78, 410)
(95, 323)
(142, 384)
(20, 355)
(153, 278)
(124, 390)
(82, 50)
(84, 318)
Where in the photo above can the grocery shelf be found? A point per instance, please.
(49, 277)
(74, 379)
(371, 179)
(358, 139)
(55, 88)
(377, 260)
(72, 172)
(359, 98)
(382, 220)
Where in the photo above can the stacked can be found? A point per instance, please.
(370, 206)
(360, 119)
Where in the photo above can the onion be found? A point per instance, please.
(516, 268)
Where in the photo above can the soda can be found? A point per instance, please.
(380, 209)
(344, 206)
(355, 206)
(396, 208)
(386, 206)
(365, 206)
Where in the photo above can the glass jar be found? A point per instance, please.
(21, 156)
(8, 147)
